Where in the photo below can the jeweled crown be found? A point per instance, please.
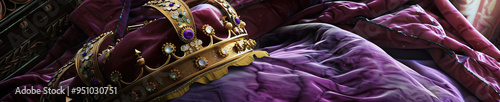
(198, 63)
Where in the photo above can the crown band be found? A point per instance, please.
(169, 76)
(86, 62)
(179, 14)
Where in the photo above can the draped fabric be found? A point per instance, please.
(443, 27)
(319, 51)
(321, 62)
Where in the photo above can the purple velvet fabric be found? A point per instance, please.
(321, 62)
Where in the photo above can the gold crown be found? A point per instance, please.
(197, 64)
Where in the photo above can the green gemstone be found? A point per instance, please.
(84, 72)
(180, 23)
(87, 63)
(115, 77)
(173, 75)
(174, 16)
(149, 88)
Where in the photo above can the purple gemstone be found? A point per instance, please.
(237, 20)
(171, 4)
(95, 83)
(51, 78)
(188, 34)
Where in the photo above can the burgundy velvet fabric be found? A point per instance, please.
(308, 62)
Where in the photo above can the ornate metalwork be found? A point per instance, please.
(25, 42)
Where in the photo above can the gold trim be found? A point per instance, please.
(211, 75)
(93, 48)
(184, 62)
(182, 10)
